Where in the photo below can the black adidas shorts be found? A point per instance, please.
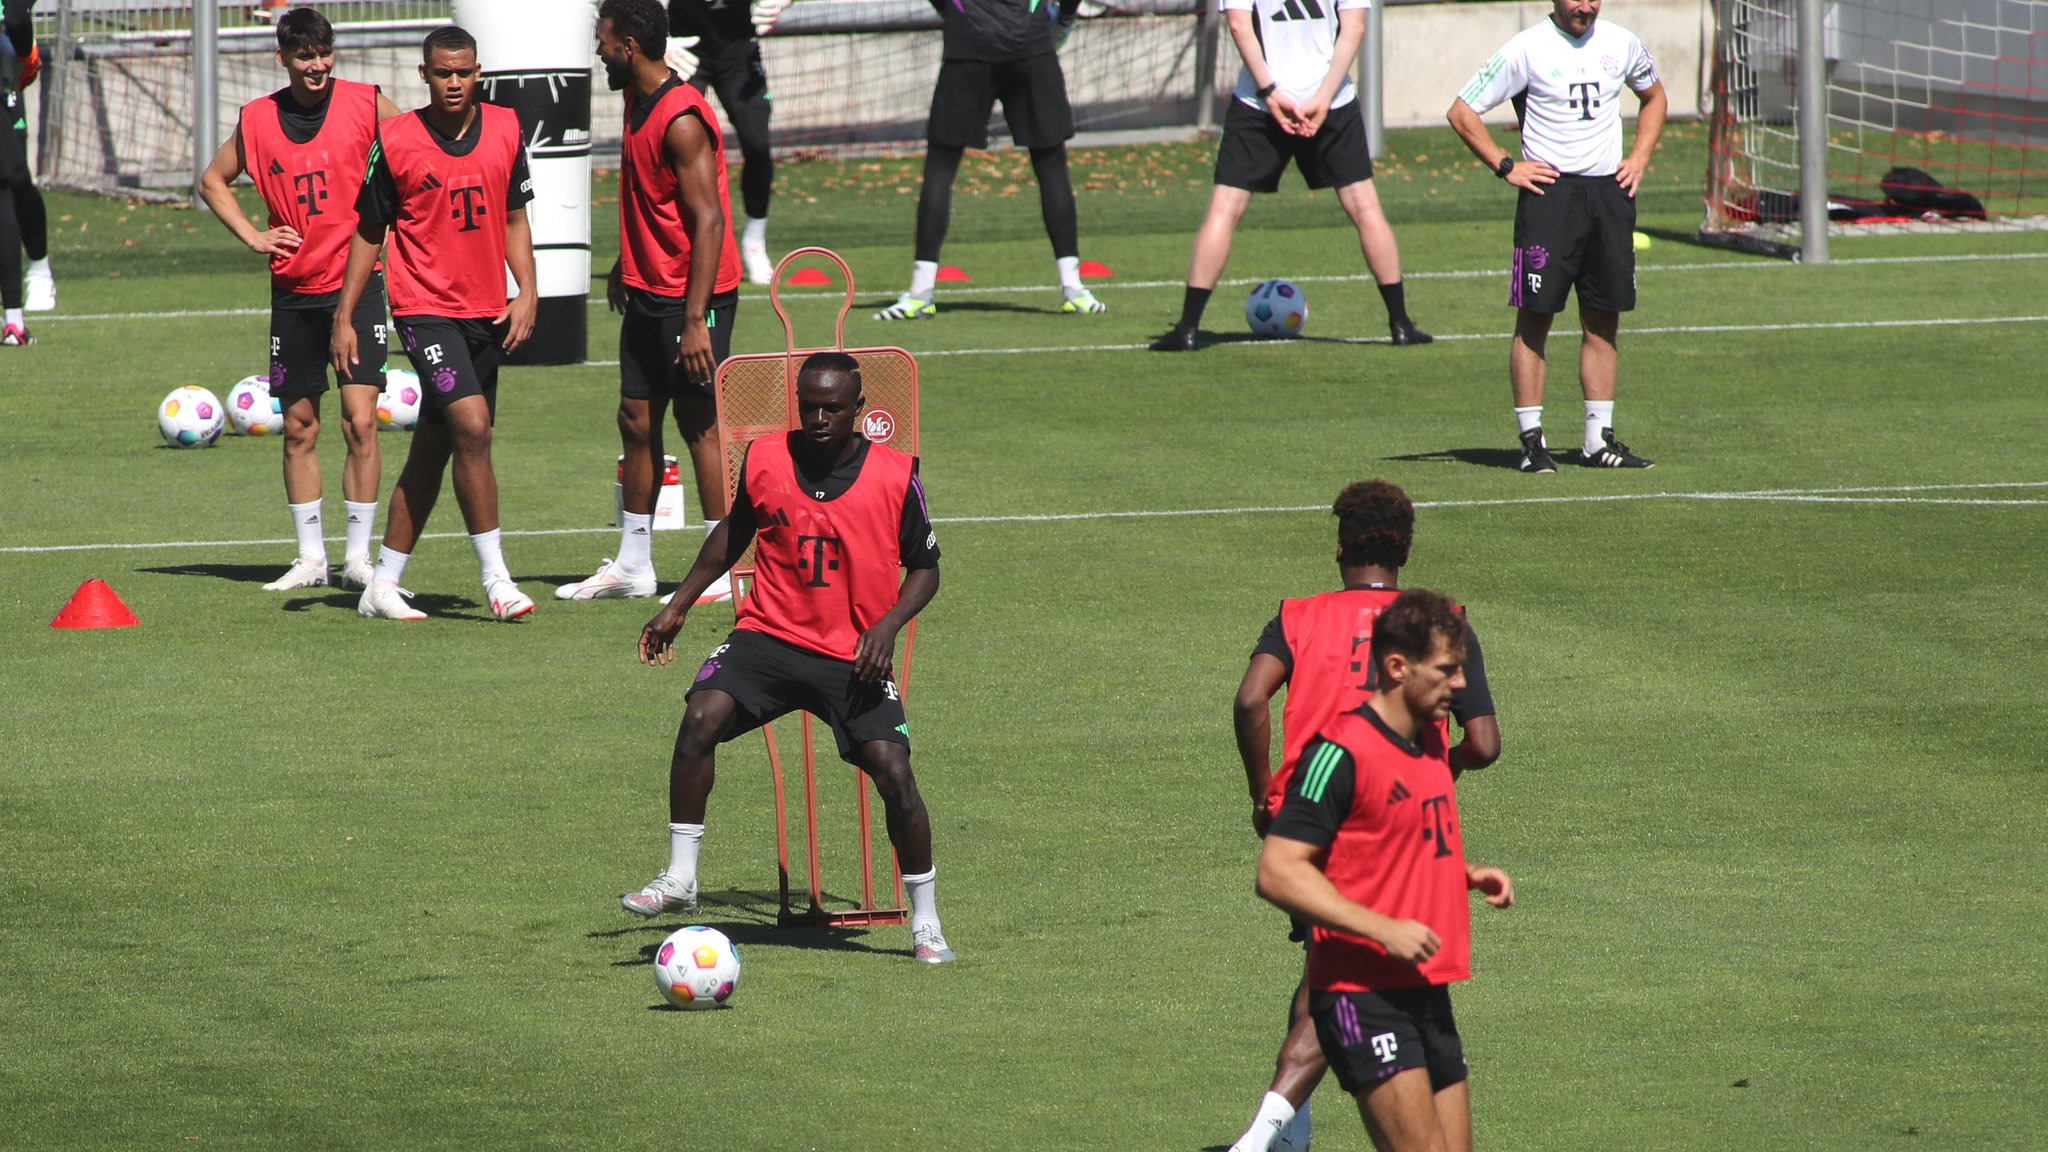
(1255, 152)
(300, 338)
(1034, 96)
(454, 358)
(1581, 232)
(651, 332)
(1369, 1036)
(769, 679)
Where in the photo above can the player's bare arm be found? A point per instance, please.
(723, 547)
(1491, 883)
(1290, 879)
(1245, 34)
(1350, 34)
(696, 170)
(615, 288)
(1649, 126)
(1251, 717)
(1531, 175)
(1479, 746)
(214, 188)
(519, 313)
(363, 249)
(385, 108)
(874, 658)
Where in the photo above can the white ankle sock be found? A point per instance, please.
(361, 519)
(756, 233)
(39, 267)
(1275, 1113)
(1070, 275)
(1599, 418)
(17, 316)
(924, 899)
(306, 523)
(1527, 418)
(924, 277)
(490, 555)
(683, 840)
(636, 542)
(390, 565)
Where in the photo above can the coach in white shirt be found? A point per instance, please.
(1575, 219)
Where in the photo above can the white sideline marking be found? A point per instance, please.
(1891, 494)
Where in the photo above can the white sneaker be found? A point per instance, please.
(507, 601)
(755, 257)
(356, 572)
(665, 893)
(385, 600)
(40, 293)
(305, 572)
(611, 582)
(719, 592)
(931, 945)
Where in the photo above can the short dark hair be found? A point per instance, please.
(303, 28)
(644, 22)
(1412, 624)
(830, 363)
(447, 38)
(1375, 524)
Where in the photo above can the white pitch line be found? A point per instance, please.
(1890, 494)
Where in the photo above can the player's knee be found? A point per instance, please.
(360, 429)
(889, 768)
(301, 431)
(633, 424)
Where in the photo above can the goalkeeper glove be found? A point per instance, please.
(765, 13)
(31, 65)
(679, 58)
(1064, 28)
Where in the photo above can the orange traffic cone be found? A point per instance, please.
(807, 277)
(949, 274)
(94, 605)
(1095, 270)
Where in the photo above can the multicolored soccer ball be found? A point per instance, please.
(399, 404)
(190, 417)
(696, 968)
(1276, 308)
(252, 410)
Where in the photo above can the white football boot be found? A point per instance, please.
(305, 572)
(507, 601)
(356, 572)
(719, 592)
(385, 600)
(667, 892)
(610, 582)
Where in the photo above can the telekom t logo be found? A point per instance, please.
(1584, 97)
(469, 206)
(1384, 1046)
(817, 560)
(312, 188)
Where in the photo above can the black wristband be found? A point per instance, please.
(1268, 90)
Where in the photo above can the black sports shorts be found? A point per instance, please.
(1254, 151)
(301, 329)
(651, 332)
(1581, 232)
(1369, 1036)
(1034, 96)
(769, 679)
(454, 358)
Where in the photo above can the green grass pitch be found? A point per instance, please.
(1773, 792)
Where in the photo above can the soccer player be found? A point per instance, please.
(1007, 50)
(19, 29)
(1313, 648)
(1294, 101)
(833, 518)
(449, 183)
(677, 280)
(306, 146)
(717, 46)
(1576, 213)
(1367, 848)
(21, 60)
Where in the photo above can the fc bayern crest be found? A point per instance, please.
(879, 425)
(1610, 65)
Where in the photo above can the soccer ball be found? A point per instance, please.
(190, 417)
(252, 410)
(399, 404)
(697, 967)
(1276, 308)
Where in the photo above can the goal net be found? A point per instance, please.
(1934, 112)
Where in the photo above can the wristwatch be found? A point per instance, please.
(1268, 90)
(1506, 165)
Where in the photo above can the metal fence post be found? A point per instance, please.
(1813, 134)
(1370, 69)
(1205, 67)
(205, 85)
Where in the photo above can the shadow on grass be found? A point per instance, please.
(945, 306)
(235, 573)
(1508, 458)
(748, 920)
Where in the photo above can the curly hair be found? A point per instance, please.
(1375, 525)
(645, 22)
(1414, 622)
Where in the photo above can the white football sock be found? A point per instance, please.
(924, 899)
(1599, 418)
(683, 840)
(1527, 418)
(17, 316)
(39, 267)
(636, 542)
(361, 518)
(490, 555)
(1275, 1113)
(756, 233)
(1070, 275)
(924, 277)
(1299, 1131)
(306, 522)
(390, 564)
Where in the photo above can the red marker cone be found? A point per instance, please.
(94, 605)
(949, 274)
(808, 278)
(1095, 270)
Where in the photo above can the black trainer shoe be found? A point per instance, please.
(1407, 334)
(1536, 457)
(1614, 454)
(1177, 339)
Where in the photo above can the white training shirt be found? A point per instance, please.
(1572, 118)
(1299, 38)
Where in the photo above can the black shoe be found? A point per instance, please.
(1614, 454)
(1407, 334)
(1536, 457)
(1177, 339)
